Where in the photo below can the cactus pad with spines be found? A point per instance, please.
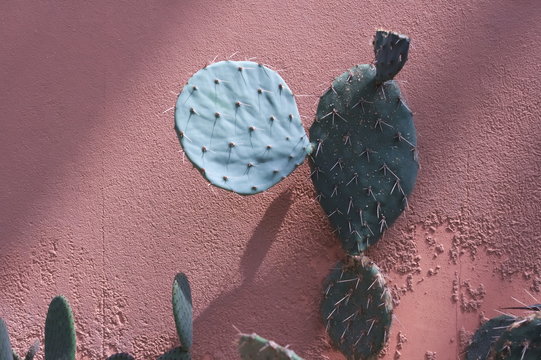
(254, 347)
(520, 341)
(486, 335)
(357, 308)
(364, 160)
(238, 123)
(183, 309)
(60, 343)
(5, 345)
(175, 354)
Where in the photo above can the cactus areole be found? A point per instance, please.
(238, 123)
(364, 163)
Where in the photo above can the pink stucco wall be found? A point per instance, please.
(97, 204)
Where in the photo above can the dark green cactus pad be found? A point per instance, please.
(391, 52)
(486, 335)
(364, 163)
(357, 308)
(254, 347)
(183, 309)
(32, 351)
(121, 356)
(520, 341)
(5, 345)
(60, 341)
(176, 354)
(238, 123)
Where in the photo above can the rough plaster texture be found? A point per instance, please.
(97, 204)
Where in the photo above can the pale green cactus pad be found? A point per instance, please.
(238, 123)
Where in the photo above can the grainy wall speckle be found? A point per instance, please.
(97, 204)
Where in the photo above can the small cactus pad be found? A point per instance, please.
(357, 308)
(183, 310)
(238, 123)
(32, 351)
(364, 163)
(486, 335)
(5, 345)
(121, 356)
(254, 347)
(520, 341)
(59, 331)
(391, 51)
(176, 354)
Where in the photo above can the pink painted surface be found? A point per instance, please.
(96, 203)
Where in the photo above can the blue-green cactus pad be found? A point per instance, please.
(60, 340)
(121, 356)
(364, 162)
(357, 308)
(238, 123)
(183, 309)
(5, 345)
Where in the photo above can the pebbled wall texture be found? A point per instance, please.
(97, 203)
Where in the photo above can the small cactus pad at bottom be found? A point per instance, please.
(121, 356)
(59, 331)
(486, 335)
(239, 125)
(176, 354)
(357, 308)
(5, 345)
(520, 341)
(254, 347)
(32, 351)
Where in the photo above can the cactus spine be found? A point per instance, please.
(254, 347)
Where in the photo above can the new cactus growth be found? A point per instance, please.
(520, 341)
(182, 309)
(6, 352)
(364, 162)
(254, 347)
(5, 345)
(59, 331)
(238, 123)
(486, 335)
(357, 308)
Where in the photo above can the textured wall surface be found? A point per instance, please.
(98, 204)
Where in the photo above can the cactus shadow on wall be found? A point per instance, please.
(264, 304)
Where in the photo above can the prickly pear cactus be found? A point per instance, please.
(357, 308)
(121, 356)
(32, 351)
(254, 347)
(364, 160)
(238, 123)
(486, 335)
(5, 345)
(175, 354)
(182, 309)
(59, 331)
(520, 341)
